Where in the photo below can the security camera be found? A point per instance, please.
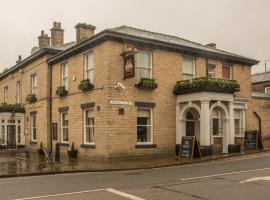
(120, 85)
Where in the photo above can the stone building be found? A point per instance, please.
(127, 92)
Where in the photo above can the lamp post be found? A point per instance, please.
(265, 64)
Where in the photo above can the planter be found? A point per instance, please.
(4, 107)
(234, 148)
(206, 151)
(73, 153)
(147, 84)
(206, 85)
(31, 98)
(85, 85)
(61, 91)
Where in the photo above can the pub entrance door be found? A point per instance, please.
(11, 137)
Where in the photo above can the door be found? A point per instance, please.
(11, 137)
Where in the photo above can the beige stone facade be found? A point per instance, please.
(114, 109)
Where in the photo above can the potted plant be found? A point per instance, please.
(31, 98)
(61, 91)
(146, 83)
(72, 152)
(40, 149)
(85, 85)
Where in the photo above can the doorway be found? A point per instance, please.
(11, 136)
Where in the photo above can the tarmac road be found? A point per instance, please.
(246, 178)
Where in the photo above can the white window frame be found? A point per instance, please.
(64, 75)
(220, 124)
(241, 123)
(143, 67)
(32, 127)
(62, 128)
(265, 90)
(3, 133)
(88, 126)
(231, 69)
(194, 68)
(151, 125)
(5, 94)
(18, 91)
(33, 82)
(87, 68)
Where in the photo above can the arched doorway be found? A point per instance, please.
(192, 124)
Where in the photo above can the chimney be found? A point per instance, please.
(19, 59)
(43, 41)
(84, 31)
(212, 45)
(57, 35)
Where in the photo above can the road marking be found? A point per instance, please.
(111, 190)
(262, 178)
(123, 194)
(224, 174)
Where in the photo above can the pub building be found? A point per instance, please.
(125, 92)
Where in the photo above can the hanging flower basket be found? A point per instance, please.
(31, 98)
(85, 85)
(146, 83)
(61, 91)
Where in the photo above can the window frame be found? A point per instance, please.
(90, 68)
(151, 125)
(64, 76)
(193, 65)
(231, 69)
(5, 94)
(18, 91)
(88, 126)
(241, 123)
(220, 124)
(265, 90)
(33, 84)
(62, 128)
(143, 67)
(32, 127)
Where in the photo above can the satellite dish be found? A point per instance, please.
(34, 50)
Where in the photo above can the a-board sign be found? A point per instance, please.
(190, 147)
(253, 140)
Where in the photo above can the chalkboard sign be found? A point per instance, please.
(253, 140)
(190, 147)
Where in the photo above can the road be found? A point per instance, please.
(246, 178)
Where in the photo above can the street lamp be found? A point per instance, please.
(265, 63)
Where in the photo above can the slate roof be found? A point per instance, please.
(261, 77)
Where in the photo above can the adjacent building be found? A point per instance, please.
(126, 92)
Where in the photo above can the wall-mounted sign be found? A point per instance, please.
(120, 102)
(129, 61)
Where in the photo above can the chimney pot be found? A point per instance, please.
(84, 31)
(19, 59)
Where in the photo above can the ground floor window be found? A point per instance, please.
(216, 123)
(144, 125)
(238, 123)
(89, 126)
(33, 123)
(64, 127)
(3, 135)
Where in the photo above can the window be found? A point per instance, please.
(33, 127)
(143, 64)
(89, 126)
(64, 127)
(34, 84)
(144, 126)
(6, 94)
(64, 75)
(238, 126)
(211, 70)
(89, 67)
(19, 134)
(188, 69)
(18, 92)
(216, 126)
(226, 72)
(3, 135)
(267, 90)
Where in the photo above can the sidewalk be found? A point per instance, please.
(16, 164)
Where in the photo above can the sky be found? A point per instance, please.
(238, 26)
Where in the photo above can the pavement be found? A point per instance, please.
(245, 177)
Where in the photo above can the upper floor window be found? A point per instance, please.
(188, 69)
(6, 94)
(211, 70)
(18, 92)
(34, 84)
(143, 64)
(226, 72)
(88, 67)
(267, 90)
(64, 75)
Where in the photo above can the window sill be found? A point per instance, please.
(88, 146)
(217, 136)
(33, 142)
(142, 146)
(239, 136)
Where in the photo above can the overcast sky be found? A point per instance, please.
(239, 26)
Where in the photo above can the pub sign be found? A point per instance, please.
(129, 61)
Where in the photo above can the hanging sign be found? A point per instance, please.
(129, 61)
(190, 148)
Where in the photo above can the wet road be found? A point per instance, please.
(236, 178)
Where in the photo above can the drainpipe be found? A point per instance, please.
(50, 110)
(260, 121)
